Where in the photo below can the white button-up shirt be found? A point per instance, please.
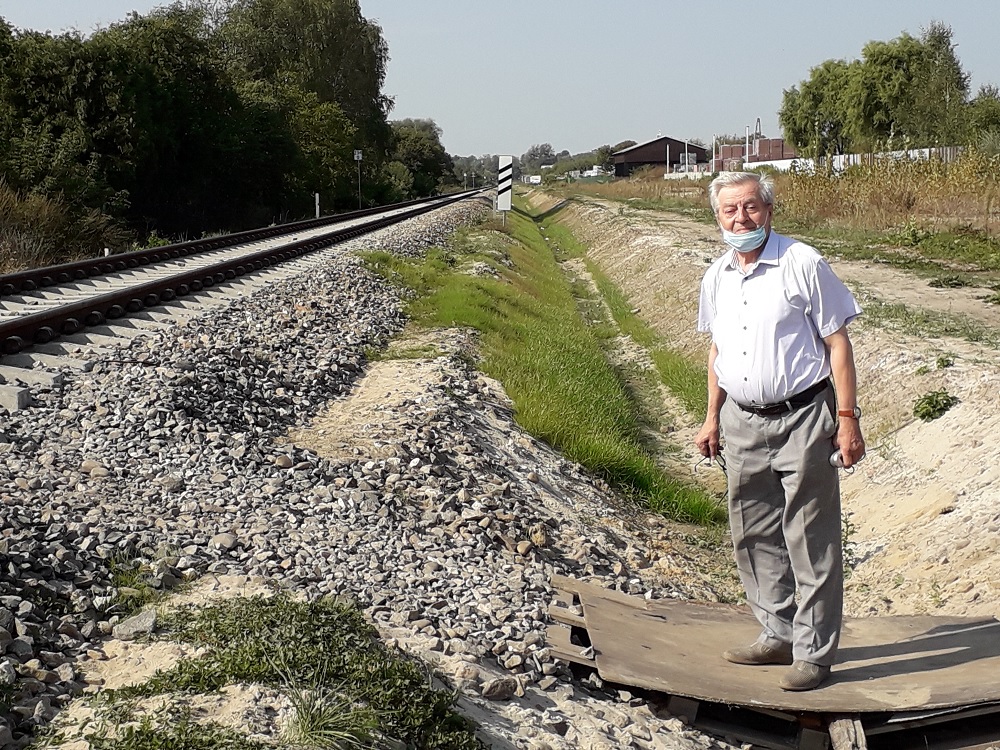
(769, 322)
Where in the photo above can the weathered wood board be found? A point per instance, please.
(894, 664)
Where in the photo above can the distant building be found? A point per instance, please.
(731, 155)
(671, 154)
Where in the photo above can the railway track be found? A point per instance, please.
(39, 306)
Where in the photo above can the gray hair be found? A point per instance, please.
(765, 186)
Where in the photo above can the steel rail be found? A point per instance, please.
(31, 279)
(39, 328)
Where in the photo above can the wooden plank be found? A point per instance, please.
(563, 615)
(886, 664)
(557, 638)
(564, 583)
(591, 591)
(847, 733)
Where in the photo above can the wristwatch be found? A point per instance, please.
(854, 413)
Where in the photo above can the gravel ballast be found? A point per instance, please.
(175, 454)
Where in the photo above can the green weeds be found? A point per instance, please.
(848, 531)
(685, 379)
(347, 688)
(924, 323)
(932, 405)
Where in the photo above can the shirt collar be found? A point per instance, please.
(769, 256)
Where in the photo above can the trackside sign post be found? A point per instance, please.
(505, 183)
(357, 158)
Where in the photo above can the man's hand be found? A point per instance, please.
(849, 441)
(707, 439)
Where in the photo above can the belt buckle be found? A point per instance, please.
(772, 410)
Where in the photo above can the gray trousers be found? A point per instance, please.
(784, 511)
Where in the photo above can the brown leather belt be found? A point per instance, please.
(783, 407)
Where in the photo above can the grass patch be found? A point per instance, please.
(344, 682)
(924, 323)
(173, 731)
(550, 361)
(685, 379)
(133, 580)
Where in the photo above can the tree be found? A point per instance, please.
(941, 90)
(323, 46)
(814, 116)
(537, 156)
(400, 180)
(603, 158)
(417, 146)
(908, 88)
(984, 112)
(190, 160)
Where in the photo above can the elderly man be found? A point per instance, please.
(778, 317)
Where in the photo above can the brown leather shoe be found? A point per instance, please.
(759, 654)
(804, 675)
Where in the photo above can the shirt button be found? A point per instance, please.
(745, 379)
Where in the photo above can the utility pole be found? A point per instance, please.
(357, 158)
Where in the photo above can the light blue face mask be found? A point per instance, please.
(747, 241)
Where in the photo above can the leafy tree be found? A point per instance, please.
(909, 89)
(192, 160)
(417, 146)
(49, 94)
(941, 90)
(814, 115)
(623, 145)
(602, 157)
(537, 156)
(984, 112)
(323, 46)
(400, 179)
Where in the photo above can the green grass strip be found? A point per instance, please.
(550, 361)
(325, 646)
(684, 378)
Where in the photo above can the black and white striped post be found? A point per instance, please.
(505, 185)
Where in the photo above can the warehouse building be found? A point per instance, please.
(669, 153)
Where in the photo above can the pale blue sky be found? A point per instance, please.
(500, 75)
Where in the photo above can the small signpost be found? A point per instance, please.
(505, 185)
(357, 158)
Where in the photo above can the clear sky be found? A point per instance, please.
(500, 75)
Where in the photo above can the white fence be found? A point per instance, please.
(840, 162)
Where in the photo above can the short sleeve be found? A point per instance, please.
(831, 302)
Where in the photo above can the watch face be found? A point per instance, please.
(857, 412)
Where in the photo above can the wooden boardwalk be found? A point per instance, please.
(894, 675)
